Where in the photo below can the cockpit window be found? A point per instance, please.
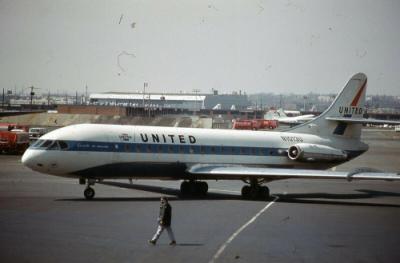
(63, 145)
(46, 144)
(54, 146)
(50, 145)
(37, 143)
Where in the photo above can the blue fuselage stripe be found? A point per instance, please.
(123, 147)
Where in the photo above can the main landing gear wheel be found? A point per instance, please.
(89, 193)
(194, 188)
(255, 192)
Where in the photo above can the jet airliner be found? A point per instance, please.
(283, 118)
(94, 152)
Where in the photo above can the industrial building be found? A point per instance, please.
(172, 100)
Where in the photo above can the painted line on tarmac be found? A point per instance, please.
(237, 232)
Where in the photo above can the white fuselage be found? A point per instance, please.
(117, 151)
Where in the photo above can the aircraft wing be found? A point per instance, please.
(362, 120)
(243, 172)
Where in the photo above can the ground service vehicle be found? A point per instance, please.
(36, 133)
(256, 124)
(14, 141)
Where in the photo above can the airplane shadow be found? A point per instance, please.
(338, 199)
(115, 199)
(173, 193)
(300, 198)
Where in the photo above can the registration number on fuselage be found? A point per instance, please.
(291, 139)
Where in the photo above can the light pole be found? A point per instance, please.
(196, 91)
(2, 104)
(144, 91)
(32, 93)
(304, 103)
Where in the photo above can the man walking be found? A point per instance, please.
(164, 222)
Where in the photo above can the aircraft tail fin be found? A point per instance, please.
(349, 104)
(281, 113)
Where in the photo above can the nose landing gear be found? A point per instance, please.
(89, 192)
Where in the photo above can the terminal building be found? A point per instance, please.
(172, 100)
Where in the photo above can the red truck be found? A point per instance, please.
(256, 124)
(12, 126)
(12, 140)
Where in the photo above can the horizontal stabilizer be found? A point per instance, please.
(362, 120)
(281, 173)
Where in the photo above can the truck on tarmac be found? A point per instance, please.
(255, 124)
(36, 133)
(14, 138)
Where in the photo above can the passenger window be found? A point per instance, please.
(138, 148)
(212, 149)
(159, 149)
(254, 151)
(171, 149)
(226, 149)
(202, 149)
(191, 149)
(181, 149)
(243, 151)
(127, 147)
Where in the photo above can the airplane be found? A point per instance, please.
(281, 117)
(94, 152)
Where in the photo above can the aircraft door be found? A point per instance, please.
(122, 145)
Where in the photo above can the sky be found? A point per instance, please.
(255, 46)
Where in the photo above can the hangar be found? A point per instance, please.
(172, 100)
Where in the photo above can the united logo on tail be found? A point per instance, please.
(354, 109)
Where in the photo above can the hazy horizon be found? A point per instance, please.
(279, 47)
(72, 93)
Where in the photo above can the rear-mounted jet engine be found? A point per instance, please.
(307, 152)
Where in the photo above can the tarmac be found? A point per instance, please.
(46, 219)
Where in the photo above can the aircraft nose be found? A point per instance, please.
(28, 159)
(25, 158)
